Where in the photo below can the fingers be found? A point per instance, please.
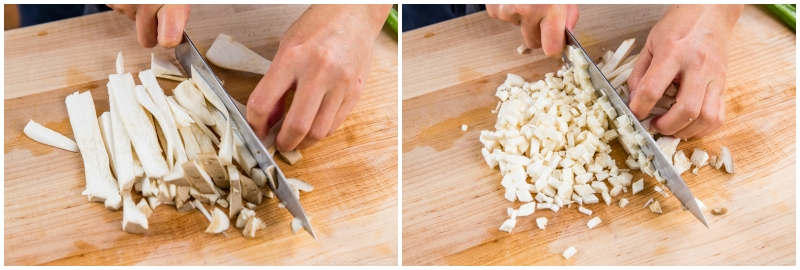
(347, 106)
(277, 112)
(658, 75)
(531, 32)
(323, 120)
(268, 92)
(171, 22)
(146, 25)
(685, 113)
(572, 16)
(719, 120)
(299, 119)
(552, 30)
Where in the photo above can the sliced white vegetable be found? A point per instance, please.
(297, 225)
(620, 54)
(244, 215)
(681, 163)
(541, 222)
(292, 156)
(229, 54)
(569, 252)
(163, 69)
(638, 186)
(133, 219)
(169, 126)
(508, 225)
(235, 195)
(199, 178)
(727, 159)
(123, 154)
(655, 207)
(100, 184)
(191, 99)
(202, 209)
(253, 224)
(623, 202)
(527, 209)
(522, 49)
(212, 165)
(661, 190)
(668, 145)
(139, 129)
(181, 116)
(302, 185)
(120, 64)
(219, 222)
(163, 122)
(585, 211)
(648, 203)
(47, 136)
(464, 127)
(593, 222)
(143, 207)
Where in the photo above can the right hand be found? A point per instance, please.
(157, 24)
(542, 26)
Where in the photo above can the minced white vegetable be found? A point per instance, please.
(569, 252)
(593, 222)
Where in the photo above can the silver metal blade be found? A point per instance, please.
(188, 56)
(675, 182)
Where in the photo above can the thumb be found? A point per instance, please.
(171, 23)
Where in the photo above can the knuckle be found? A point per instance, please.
(317, 134)
(299, 126)
(689, 110)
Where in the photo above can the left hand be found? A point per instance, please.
(326, 56)
(688, 45)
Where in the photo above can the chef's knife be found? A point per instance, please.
(188, 56)
(674, 181)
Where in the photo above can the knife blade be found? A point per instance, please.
(602, 87)
(188, 56)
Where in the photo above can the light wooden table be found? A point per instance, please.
(353, 206)
(453, 203)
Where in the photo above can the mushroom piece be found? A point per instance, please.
(229, 54)
(297, 225)
(198, 177)
(253, 224)
(219, 222)
(235, 195)
(214, 168)
(144, 207)
(182, 202)
(250, 191)
(292, 156)
(244, 215)
(47, 136)
(133, 220)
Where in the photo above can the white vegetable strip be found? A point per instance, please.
(44, 135)
(569, 252)
(163, 122)
(620, 54)
(120, 64)
(229, 54)
(193, 101)
(180, 115)
(104, 121)
(100, 185)
(161, 68)
(160, 100)
(139, 129)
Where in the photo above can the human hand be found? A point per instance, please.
(689, 45)
(325, 56)
(157, 24)
(542, 26)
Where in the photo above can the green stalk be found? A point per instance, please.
(787, 13)
(392, 19)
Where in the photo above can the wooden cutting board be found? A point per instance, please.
(353, 206)
(453, 203)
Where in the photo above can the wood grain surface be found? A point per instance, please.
(453, 203)
(353, 207)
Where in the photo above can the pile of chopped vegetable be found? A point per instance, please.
(163, 148)
(552, 140)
